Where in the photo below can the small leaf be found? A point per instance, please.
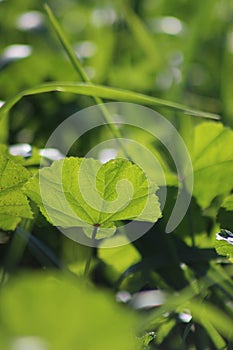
(224, 243)
(146, 339)
(228, 203)
(225, 213)
(13, 203)
(79, 192)
(118, 258)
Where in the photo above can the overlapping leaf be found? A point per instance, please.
(212, 158)
(228, 203)
(225, 213)
(224, 243)
(13, 203)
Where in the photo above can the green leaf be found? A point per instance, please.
(212, 159)
(228, 203)
(119, 258)
(224, 243)
(164, 330)
(13, 203)
(145, 340)
(225, 213)
(34, 307)
(79, 192)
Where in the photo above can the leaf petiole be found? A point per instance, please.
(89, 256)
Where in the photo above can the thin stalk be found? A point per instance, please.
(187, 330)
(190, 223)
(79, 69)
(89, 256)
(3, 276)
(190, 219)
(16, 249)
(66, 45)
(14, 254)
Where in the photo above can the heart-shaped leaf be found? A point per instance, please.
(85, 193)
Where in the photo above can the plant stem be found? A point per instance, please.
(89, 256)
(66, 45)
(186, 333)
(79, 69)
(3, 276)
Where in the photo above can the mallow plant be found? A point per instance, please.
(176, 288)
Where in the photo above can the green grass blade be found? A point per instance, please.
(146, 41)
(42, 253)
(214, 320)
(216, 338)
(106, 93)
(78, 67)
(185, 299)
(96, 91)
(66, 45)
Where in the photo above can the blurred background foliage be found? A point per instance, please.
(180, 51)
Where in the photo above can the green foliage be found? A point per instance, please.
(228, 203)
(224, 216)
(13, 202)
(172, 56)
(86, 317)
(98, 195)
(118, 259)
(212, 160)
(224, 243)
